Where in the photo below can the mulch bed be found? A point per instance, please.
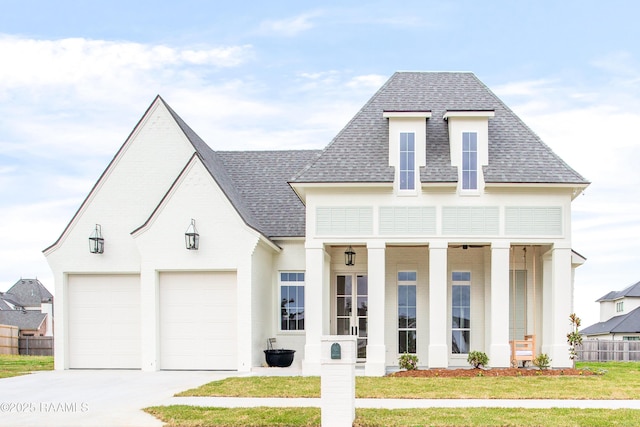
(495, 372)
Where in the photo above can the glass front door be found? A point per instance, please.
(352, 308)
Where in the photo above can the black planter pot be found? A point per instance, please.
(279, 358)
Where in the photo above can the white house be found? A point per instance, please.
(619, 316)
(457, 214)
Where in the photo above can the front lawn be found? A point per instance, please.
(13, 365)
(621, 381)
(190, 416)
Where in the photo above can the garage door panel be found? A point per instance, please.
(104, 321)
(198, 320)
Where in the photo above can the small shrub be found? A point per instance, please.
(477, 359)
(542, 361)
(408, 362)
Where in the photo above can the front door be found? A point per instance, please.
(352, 308)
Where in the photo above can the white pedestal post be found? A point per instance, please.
(338, 380)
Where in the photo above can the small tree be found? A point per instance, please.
(477, 359)
(574, 338)
(408, 361)
(542, 361)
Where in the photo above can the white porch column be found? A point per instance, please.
(499, 350)
(438, 348)
(376, 350)
(149, 307)
(316, 307)
(557, 291)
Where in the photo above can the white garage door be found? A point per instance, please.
(198, 320)
(104, 321)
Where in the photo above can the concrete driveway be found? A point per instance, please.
(92, 398)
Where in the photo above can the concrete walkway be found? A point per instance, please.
(92, 398)
(235, 402)
(115, 398)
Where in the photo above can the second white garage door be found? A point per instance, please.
(198, 320)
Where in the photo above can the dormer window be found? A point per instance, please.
(407, 160)
(469, 147)
(469, 160)
(407, 148)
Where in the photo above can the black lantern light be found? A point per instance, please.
(191, 237)
(349, 256)
(96, 242)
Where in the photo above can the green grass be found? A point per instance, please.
(622, 381)
(189, 416)
(12, 365)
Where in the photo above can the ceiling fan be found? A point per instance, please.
(467, 246)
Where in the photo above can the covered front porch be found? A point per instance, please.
(438, 299)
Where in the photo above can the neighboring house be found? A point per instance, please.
(28, 304)
(436, 223)
(30, 323)
(619, 316)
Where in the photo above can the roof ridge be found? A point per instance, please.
(216, 168)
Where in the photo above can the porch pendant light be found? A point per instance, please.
(96, 242)
(349, 256)
(191, 237)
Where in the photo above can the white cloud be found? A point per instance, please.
(369, 81)
(29, 62)
(288, 27)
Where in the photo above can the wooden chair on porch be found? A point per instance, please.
(523, 350)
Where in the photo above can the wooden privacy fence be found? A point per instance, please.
(608, 351)
(36, 346)
(8, 339)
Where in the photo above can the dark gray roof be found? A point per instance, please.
(359, 153)
(256, 183)
(3, 305)
(631, 291)
(29, 320)
(261, 177)
(28, 293)
(627, 323)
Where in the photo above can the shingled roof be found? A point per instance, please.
(631, 291)
(24, 320)
(360, 152)
(627, 323)
(256, 183)
(28, 293)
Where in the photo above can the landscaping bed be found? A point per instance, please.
(494, 372)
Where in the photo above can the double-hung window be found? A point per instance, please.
(469, 161)
(406, 312)
(292, 301)
(460, 312)
(407, 160)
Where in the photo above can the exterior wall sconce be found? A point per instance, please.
(191, 237)
(349, 256)
(96, 242)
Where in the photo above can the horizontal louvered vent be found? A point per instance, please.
(533, 220)
(470, 220)
(344, 221)
(408, 220)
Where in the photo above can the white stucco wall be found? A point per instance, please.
(226, 244)
(121, 201)
(290, 259)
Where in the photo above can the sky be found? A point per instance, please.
(76, 76)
